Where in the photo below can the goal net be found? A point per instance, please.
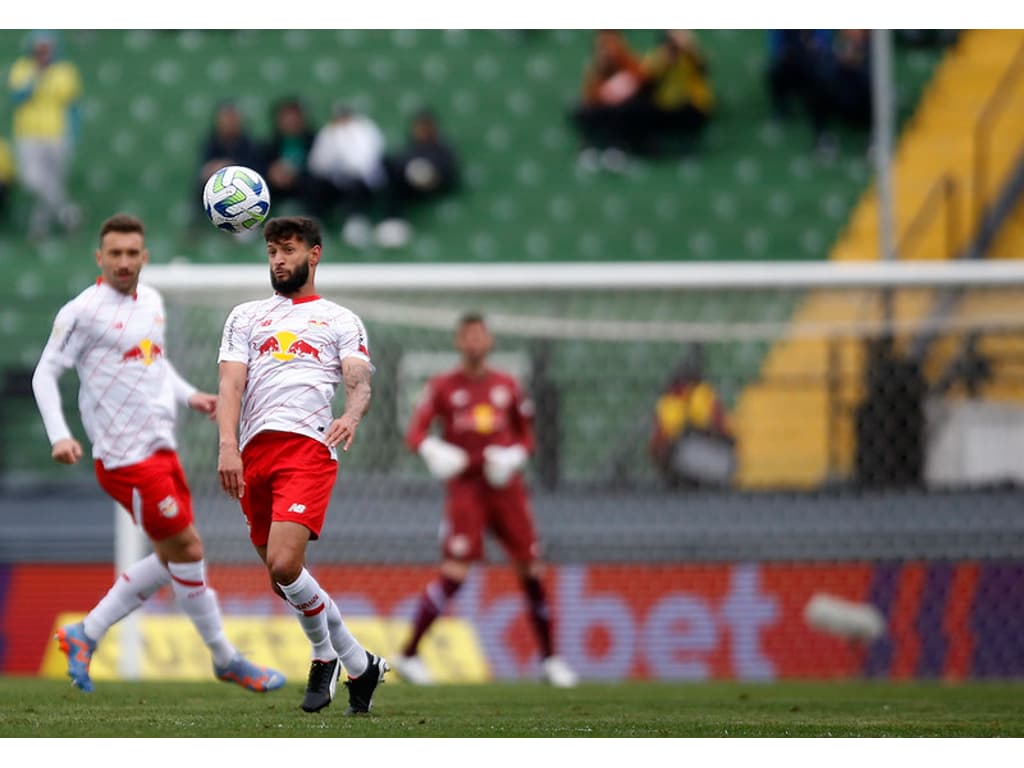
(829, 376)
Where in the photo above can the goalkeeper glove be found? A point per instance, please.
(443, 460)
(502, 462)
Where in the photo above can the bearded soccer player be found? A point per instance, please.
(486, 438)
(281, 360)
(112, 333)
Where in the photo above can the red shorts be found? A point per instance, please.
(154, 492)
(288, 477)
(473, 507)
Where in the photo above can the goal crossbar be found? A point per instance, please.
(614, 276)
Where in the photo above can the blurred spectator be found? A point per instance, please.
(927, 38)
(227, 143)
(692, 444)
(794, 56)
(6, 176)
(45, 90)
(610, 116)
(852, 86)
(427, 167)
(286, 154)
(349, 173)
(680, 94)
(825, 72)
(798, 74)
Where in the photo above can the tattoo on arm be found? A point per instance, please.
(357, 390)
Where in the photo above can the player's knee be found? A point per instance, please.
(456, 570)
(184, 547)
(189, 553)
(530, 569)
(283, 569)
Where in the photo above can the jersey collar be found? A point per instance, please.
(302, 299)
(135, 295)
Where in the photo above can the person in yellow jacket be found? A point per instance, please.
(679, 88)
(6, 175)
(45, 89)
(692, 442)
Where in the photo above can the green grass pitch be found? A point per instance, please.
(35, 708)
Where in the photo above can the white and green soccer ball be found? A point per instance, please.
(236, 199)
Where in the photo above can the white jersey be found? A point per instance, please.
(293, 351)
(128, 390)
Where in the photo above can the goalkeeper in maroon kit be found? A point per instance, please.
(486, 438)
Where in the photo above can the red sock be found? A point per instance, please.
(539, 614)
(432, 604)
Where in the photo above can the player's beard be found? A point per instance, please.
(292, 283)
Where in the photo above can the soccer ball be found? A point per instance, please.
(236, 199)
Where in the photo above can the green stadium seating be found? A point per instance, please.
(751, 191)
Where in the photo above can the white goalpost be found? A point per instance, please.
(610, 276)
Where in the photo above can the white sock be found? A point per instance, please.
(309, 600)
(200, 603)
(351, 653)
(138, 583)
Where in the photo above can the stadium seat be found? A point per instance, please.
(747, 192)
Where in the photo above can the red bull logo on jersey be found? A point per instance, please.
(484, 419)
(145, 352)
(481, 418)
(285, 345)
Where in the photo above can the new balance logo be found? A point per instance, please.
(309, 603)
(297, 508)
